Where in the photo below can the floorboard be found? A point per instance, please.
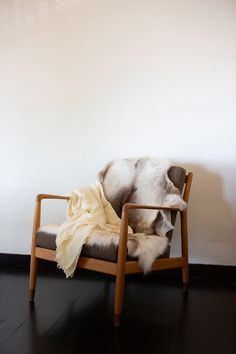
(76, 315)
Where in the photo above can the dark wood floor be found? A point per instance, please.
(75, 315)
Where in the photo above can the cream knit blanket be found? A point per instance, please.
(88, 212)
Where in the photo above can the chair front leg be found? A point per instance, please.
(33, 277)
(33, 259)
(119, 295)
(120, 275)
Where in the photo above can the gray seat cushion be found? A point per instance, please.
(48, 240)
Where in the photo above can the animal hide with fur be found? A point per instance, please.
(142, 181)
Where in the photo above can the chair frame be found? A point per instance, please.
(123, 266)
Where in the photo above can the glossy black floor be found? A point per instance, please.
(75, 315)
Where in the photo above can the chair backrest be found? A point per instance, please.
(177, 175)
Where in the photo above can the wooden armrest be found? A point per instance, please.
(37, 213)
(51, 196)
(125, 219)
(128, 206)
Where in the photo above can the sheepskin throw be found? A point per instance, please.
(142, 181)
(92, 213)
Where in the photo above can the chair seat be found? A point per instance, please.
(48, 240)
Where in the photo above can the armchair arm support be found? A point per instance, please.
(122, 248)
(37, 213)
(51, 196)
(129, 206)
(36, 224)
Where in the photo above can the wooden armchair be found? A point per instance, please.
(114, 261)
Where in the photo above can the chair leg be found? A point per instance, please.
(33, 277)
(185, 277)
(119, 295)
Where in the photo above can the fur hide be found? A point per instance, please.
(142, 181)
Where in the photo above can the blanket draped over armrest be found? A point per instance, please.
(88, 213)
(91, 218)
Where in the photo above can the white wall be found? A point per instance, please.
(86, 81)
